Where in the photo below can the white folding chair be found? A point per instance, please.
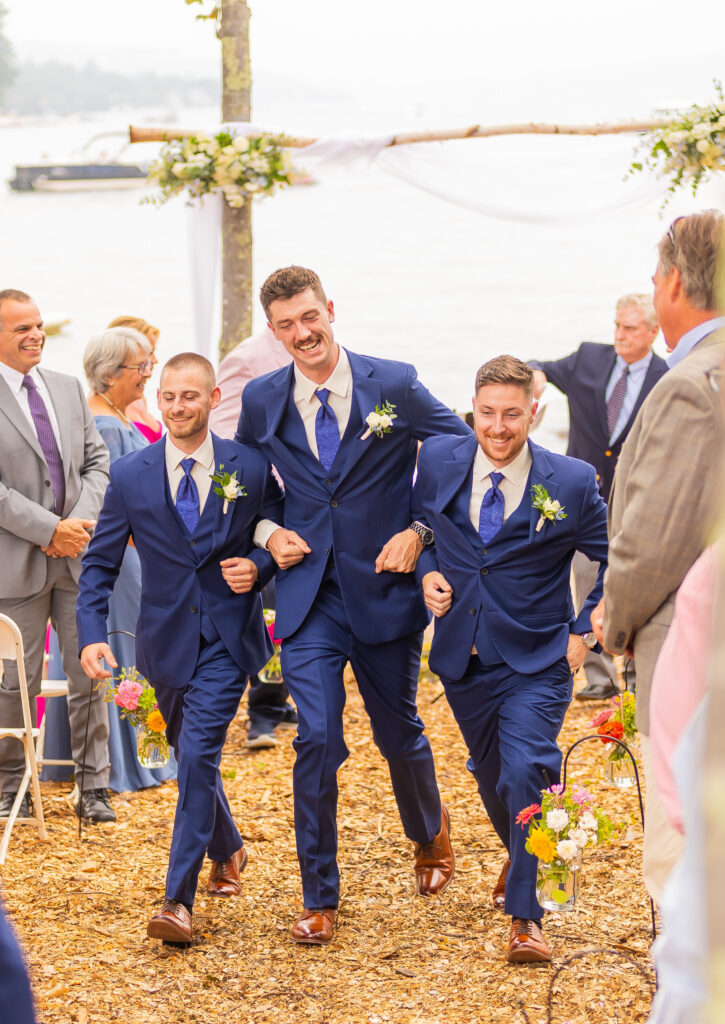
(11, 649)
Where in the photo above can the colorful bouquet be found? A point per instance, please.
(619, 722)
(559, 830)
(136, 698)
(272, 671)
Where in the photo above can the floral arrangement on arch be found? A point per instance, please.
(241, 166)
(619, 722)
(687, 149)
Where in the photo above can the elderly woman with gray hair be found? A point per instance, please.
(117, 363)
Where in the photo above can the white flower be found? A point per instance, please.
(580, 837)
(702, 145)
(374, 420)
(588, 822)
(567, 849)
(231, 490)
(241, 143)
(557, 819)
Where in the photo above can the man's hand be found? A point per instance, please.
(540, 383)
(576, 652)
(240, 574)
(287, 548)
(437, 593)
(69, 538)
(401, 553)
(91, 657)
(598, 629)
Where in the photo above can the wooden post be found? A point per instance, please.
(236, 224)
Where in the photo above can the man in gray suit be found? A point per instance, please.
(53, 475)
(664, 497)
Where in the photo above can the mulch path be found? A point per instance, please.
(81, 907)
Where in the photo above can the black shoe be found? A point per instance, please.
(95, 806)
(6, 805)
(598, 691)
(289, 718)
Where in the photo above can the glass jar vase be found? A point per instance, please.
(152, 748)
(618, 768)
(557, 884)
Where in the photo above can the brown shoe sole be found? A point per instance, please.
(159, 928)
(225, 895)
(427, 895)
(311, 940)
(527, 956)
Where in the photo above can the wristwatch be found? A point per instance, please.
(589, 639)
(425, 534)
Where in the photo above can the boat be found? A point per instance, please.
(83, 174)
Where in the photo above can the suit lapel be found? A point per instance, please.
(366, 395)
(650, 379)
(454, 489)
(152, 481)
(9, 405)
(222, 519)
(541, 473)
(280, 402)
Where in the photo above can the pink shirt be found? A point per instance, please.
(680, 676)
(251, 358)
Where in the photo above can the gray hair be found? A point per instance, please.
(693, 245)
(643, 302)
(106, 352)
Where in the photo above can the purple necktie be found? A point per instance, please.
(616, 401)
(46, 439)
(492, 508)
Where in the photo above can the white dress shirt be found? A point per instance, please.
(693, 337)
(339, 384)
(512, 486)
(201, 471)
(635, 380)
(14, 380)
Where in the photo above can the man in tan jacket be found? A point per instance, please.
(664, 497)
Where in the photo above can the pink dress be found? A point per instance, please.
(680, 676)
(149, 433)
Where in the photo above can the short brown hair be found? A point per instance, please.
(13, 295)
(288, 282)
(183, 359)
(693, 245)
(506, 370)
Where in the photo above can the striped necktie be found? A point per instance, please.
(616, 401)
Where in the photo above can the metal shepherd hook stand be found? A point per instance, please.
(112, 632)
(611, 739)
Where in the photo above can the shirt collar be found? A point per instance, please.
(638, 366)
(338, 382)
(516, 471)
(204, 454)
(14, 378)
(693, 337)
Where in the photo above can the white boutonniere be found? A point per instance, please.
(380, 421)
(547, 508)
(227, 486)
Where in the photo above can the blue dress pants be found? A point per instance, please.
(510, 723)
(197, 717)
(313, 661)
(15, 996)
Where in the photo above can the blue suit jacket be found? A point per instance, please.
(356, 507)
(514, 593)
(175, 577)
(583, 377)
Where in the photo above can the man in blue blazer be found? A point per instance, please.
(605, 386)
(200, 631)
(506, 638)
(342, 430)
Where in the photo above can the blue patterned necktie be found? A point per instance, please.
(326, 430)
(492, 507)
(47, 442)
(187, 497)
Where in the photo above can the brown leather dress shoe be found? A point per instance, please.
(224, 874)
(499, 892)
(526, 943)
(434, 861)
(172, 923)
(315, 927)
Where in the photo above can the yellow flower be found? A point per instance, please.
(155, 721)
(540, 845)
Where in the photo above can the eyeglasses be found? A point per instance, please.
(147, 364)
(671, 232)
(714, 376)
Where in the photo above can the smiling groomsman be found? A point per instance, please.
(508, 517)
(346, 589)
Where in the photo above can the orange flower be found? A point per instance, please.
(155, 721)
(611, 728)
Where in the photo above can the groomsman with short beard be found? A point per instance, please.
(506, 638)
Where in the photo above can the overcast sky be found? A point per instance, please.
(452, 58)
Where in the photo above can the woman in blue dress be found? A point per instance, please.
(117, 364)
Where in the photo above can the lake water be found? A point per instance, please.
(412, 277)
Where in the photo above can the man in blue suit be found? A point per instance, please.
(15, 993)
(605, 386)
(343, 430)
(200, 631)
(506, 638)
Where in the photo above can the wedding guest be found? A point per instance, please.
(346, 590)
(15, 994)
(663, 501)
(201, 632)
(506, 639)
(53, 473)
(138, 410)
(605, 387)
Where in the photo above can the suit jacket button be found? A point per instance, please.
(484, 551)
(471, 611)
(193, 609)
(47, 483)
(328, 481)
(333, 504)
(607, 453)
(192, 543)
(484, 572)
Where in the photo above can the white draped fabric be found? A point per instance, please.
(542, 180)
